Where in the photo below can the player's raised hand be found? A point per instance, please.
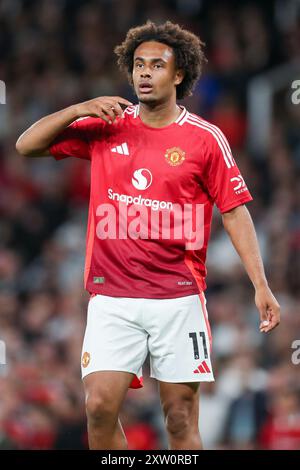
(105, 107)
(269, 309)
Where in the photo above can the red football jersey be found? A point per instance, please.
(151, 200)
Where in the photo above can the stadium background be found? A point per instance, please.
(56, 53)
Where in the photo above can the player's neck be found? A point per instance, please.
(159, 115)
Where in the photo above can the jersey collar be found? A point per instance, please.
(178, 120)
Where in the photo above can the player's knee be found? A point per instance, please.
(178, 420)
(99, 408)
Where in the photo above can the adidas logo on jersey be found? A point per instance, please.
(202, 369)
(121, 149)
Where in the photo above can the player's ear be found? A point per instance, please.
(179, 76)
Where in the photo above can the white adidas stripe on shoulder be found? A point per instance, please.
(77, 120)
(217, 129)
(215, 132)
(182, 115)
(129, 110)
(134, 109)
(81, 118)
(220, 138)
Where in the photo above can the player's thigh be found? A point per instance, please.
(180, 398)
(105, 391)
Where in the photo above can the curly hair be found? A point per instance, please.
(187, 47)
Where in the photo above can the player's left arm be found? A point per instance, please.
(239, 226)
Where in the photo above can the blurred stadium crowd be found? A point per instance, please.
(59, 52)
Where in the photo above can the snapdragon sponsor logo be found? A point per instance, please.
(2, 92)
(139, 200)
(142, 178)
(2, 353)
(139, 218)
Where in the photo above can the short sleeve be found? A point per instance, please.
(75, 140)
(224, 182)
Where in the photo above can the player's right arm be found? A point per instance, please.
(37, 139)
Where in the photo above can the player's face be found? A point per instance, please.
(154, 72)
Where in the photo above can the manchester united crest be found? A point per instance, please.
(175, 156)
(85, 359)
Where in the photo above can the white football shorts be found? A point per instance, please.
(121, 331)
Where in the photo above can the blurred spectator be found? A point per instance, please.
(282, 429)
